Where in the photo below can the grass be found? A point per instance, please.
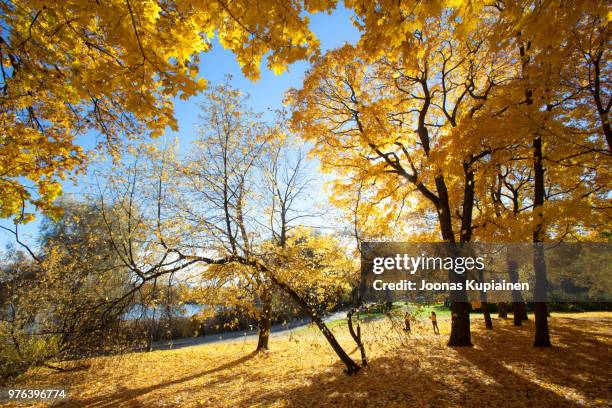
(417, 370)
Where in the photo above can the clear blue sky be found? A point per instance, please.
(332, 30)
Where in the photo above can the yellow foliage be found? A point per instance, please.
(431, 103)
(113, 68)
(416, 370)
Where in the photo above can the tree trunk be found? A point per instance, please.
(520, 313)
(503, 311)
(264, 322)
(351, 366)
(460, 325)
(485, 304)
(487, 315)
(460, 316)
(357, 337)
(523, 311)
(460, 313)
(542, 336)
(518, 304)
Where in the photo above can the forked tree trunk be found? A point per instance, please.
(356, 335)
(264, 322)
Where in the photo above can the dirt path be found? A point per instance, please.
(277, 330)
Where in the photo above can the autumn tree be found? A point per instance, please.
(558, 147)
(480, 99)
(55, 305)
(206, 215)
(255, 219)
(394, 123)
(284, 187)
(216, 181)
(113, 69)
(236, 158)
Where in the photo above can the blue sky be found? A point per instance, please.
(332, 30)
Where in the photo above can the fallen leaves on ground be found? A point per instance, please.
(416, 370)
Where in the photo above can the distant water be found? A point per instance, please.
(147, 312)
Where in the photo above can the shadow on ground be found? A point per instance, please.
(501, 370)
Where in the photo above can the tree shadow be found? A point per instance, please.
(579, 362)
(127, 395)
(503, 369)
(485, 375)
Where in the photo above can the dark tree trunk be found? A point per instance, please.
(487, 315)
(602, 107)
(264, 323)
(460, 316)
(460, 325)
(520, 313)
(502, 310)
(518, 304)
(542, 336)
(485, 304)
(523, 311)
(351, 366)
(460, 313)
(356, 335)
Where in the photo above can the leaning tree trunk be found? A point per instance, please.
(264, 322)
(351, 366)
(356, 335)
(542, 336)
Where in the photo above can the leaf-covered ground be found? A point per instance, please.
(502, 369)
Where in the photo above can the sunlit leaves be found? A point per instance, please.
(113, 68)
